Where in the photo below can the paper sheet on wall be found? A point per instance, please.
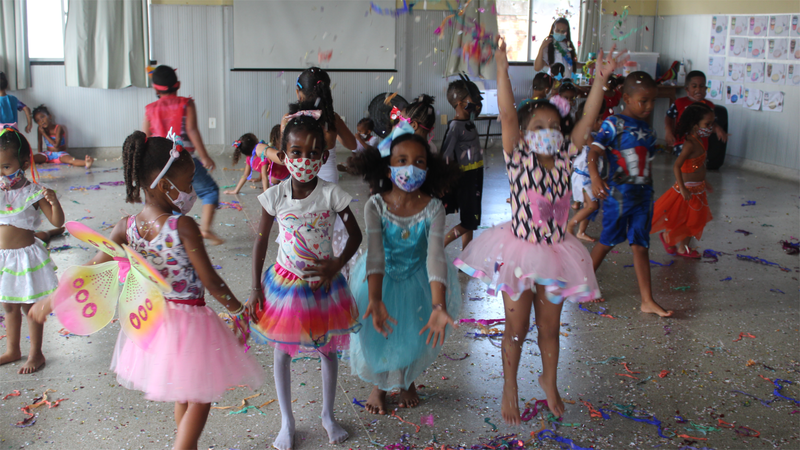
(795, 31)
(758, 26)
(779, 25)
(739, 25)
(756, 48)
(733, 94)
(793, 74)
(716, 66)
(719, 32)
(752, 98)
(714, 90)
(777, 48)
(754, 72)
(717, 45)
(772, 101)
(776, 73)
(794, 49)
(737, 46)
(735, 72)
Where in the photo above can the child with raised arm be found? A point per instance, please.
(172, 112)
(695, 93)
(404, 278)
(627, 193)
(54, 138)
(28, 274)
(532, 260)
(683, 212)
(10, 107)
(302, 301)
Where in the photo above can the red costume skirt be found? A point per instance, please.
(679, 219)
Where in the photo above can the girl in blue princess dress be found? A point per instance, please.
(404, 278)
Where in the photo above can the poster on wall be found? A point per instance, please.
(779, 25)
(756, 48)
(737, 47)
(793, 74)
(772, 101)
(795, 31)
(794, 49)
(752, 98)
(733, 94)
(735, 72)
(777, 48)
(717, 46)
(739, 25)
(758, 26)
(716, 66)
(719, 31)
(776, 73)
(754, 72)
(714, 90)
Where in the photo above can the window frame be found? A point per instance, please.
(531, 59)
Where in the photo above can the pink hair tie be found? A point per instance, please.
(315, 113)
(561, 104)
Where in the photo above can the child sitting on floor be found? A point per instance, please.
(54, 138)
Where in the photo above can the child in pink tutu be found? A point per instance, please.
(532, 260)
(303, 301)
(193, 357)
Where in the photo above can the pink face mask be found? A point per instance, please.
(303, 169)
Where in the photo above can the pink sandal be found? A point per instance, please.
(671, 249)
(690, 253)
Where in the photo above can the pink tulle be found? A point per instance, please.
(512, 265)
(193, 358)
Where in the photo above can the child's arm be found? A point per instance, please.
(241, 182)
(437, 276)
(361, 144)
(327, 269)
(60, 132)
(39, 136)
(256, 300)
(599, 186)
(669, 128)
(146, 126)
(538, 64)
(345, 136)
(505, 99)
(265, 181)
(688, 149)
(721, 134)
(194, 136)
(273, 154)
(27, 112)
(375, 269)
(604, 70)
(51, 208)
(192, 241)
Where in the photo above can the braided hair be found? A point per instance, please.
(245, 146)
(315, 84)
(143, 158)
(691, 116)
(421, 110)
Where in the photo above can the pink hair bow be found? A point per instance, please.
(561, 104)
(315, 113)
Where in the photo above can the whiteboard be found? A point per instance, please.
(296, 34)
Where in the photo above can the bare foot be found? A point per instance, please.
(285, 437)
(652, 307)
(336, 434)
(34, 363)
(409, 398)
(554, 401)
(212, 238)
(585, 237)
(9, 357)
(508, 200)
(509, 408)
(376, 403)
(89, 161)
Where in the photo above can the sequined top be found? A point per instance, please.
(539, 197)
(400, 246)
(17, 208)
(691, 165)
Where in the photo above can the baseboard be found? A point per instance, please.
(760, 167)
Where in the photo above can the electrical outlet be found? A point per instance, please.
(212, 122)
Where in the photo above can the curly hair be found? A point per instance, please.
(143, 158)
(248, 143)
(527, 110)
(315, 84)
(691, 116)
(14, 141)
(307, 124)
(41, 109)
(370, 165)
(275, 136)
(421, 110)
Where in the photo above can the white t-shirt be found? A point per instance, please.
(306, 225)
(559, 58)
(373, 141)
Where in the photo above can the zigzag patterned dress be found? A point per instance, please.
(534, 247)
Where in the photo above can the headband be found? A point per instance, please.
(315, 113)
(160, 87)
(237, 143)
(385, 146)
(34, 172)
(174, 153)
(396, 114)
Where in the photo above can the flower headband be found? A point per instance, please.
(315, 113)
(174, 153)
(385, 146)
(34, 172)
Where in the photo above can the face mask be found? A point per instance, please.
(408, 178)
(8, 182)
(366, 136)
(544, 142)
(705, 132)
(559, 36)
(185, 201)
(303, 169)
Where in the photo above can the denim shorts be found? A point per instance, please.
(205, 186)
(628, 215)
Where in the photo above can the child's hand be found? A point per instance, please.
(50, 196)
(436, 326)
(501, 55)
(686, 194)
(721, 134)
(325, 269)
(256, 301)
(599, 189)
(670, 139)
(605, 67)
(29, 127)
(40, 310)
(208, 163)
(230, 192)
(380, 317)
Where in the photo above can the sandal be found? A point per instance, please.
(690, 253)
(671, 249)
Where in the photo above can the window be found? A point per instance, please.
(46, 20)
(525, 24)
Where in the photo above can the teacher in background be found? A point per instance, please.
(558, 48)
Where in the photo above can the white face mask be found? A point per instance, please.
(544, 142)
(185, 201)
(303, 169)
(705, 132)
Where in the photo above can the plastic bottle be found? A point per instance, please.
(681, 75)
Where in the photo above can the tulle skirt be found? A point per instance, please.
(193, 358)
(27, 274)
(295, 317)
(679, 219)
(397, 361)
(512, 265)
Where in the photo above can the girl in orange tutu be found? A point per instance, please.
(682, 212)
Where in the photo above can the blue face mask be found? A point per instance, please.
(408, 178)
(559, 36)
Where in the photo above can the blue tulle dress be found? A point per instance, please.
(409, 251)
